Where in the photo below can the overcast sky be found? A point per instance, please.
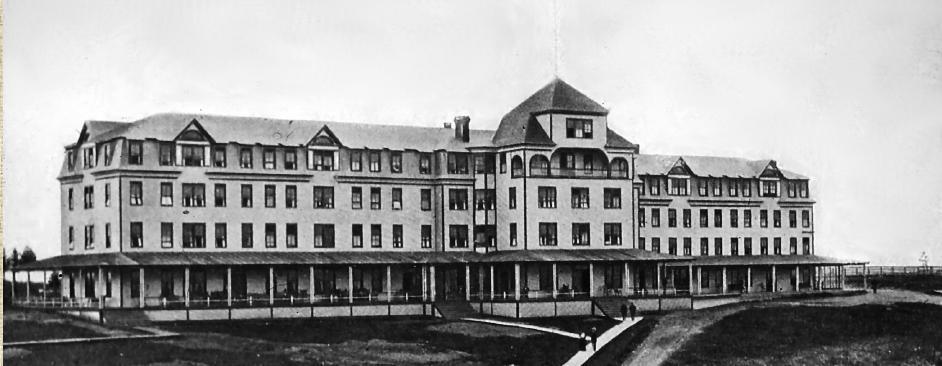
(846, 92)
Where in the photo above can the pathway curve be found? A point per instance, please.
(525, 326)
(582, 356)
(154, 333)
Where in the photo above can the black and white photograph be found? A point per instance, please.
(416, 182)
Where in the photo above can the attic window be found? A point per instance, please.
(192, 135)
(579, 128)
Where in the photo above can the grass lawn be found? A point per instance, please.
(385, 341)
(21, 326)
(901, 333)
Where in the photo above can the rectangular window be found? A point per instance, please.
(654, 186)
(763, 218)
(803, 189)
(503, 162)
(655, 217)
(778, 246)
(245, 157)
(546, 197)
(135, 153)
(745, 186)
(375, 198)
(578, 128)
(805, 217)
(791, 189)
(356, 198)
(323, 197)
(219, 156)
(734, 218)
(747, 218)
(291, 159)
(107, 194)
(221, 235)
(458, 199)
(193, 155)
(672, 246)
(612, 197)
(425, 163)
(395, 162)
(426, 199)
(271, 238)
(70, 160)
(194, 195)
(291, 196)
(612, 233)
(165, 154)
(107, 235)
(89, 236)
(89, 197)
(137, 234)
(806, 246)
(704, 218)
(397, 236)
(747, 246)
(375, 162)
(166, 194)
(291, 235)
(641, 218)
(376, 236)
(671, 217)
(397, 198)
(704, 246)
(321, 160)
(268, 159)
(777, 218)
(764, 246)
(688, 244)
(718, 246)
(580, 197)
(108, 153)
(580, 234)
(248, 239)
(458, 236)
(513, 234)
(702, 187)
(769, 188)
(71, 198)
(426, 236)
(219, 194)
(718, 218)
(717, 187)
(641, 243)
(270, 195)
(733, 187)
(88, 160)
(457, 163)
(512, 198)
(678, 186)
(485, 199)
(687, 219)
(194, 235)
(356, 234)
(792, 218)
(166, 235)
(246, 195)
(356, 160)
(479, 166)
(656, 245)
(793, 246)
(734, 246)
(548, 234)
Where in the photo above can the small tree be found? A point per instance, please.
(28, 256)
(14, 258)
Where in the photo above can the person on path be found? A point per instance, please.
(583, 341)
(624, 312)
(873, 284)
(594, 333)
(632, 309)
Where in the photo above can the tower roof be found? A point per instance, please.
(518, 125)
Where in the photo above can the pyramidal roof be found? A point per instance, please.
(519, 126)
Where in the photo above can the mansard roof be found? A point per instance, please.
(518, 126)
(269, 131)
(709, 166)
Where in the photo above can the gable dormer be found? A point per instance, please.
(770, 180)
(323, 150)
(191, 146)
(678, 178)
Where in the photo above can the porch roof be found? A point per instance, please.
(577, 255)
(768, 260)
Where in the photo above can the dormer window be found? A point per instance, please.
(268, 159)
(108, 153)
(166, 154)
(457, 163)
(769, 188)
(88, 157)
(193, 155)
(219, 156)
(678, 186)
(374, 161)
(70, 160)
(702, 188)
(245, 158)
(579, 128)
(135, 153)
(291, 159)
(321, 160)
(425, 163)
(803, 189)
(395, 162)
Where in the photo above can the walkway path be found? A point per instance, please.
(582, 356)
(153, 334)
(525, 326)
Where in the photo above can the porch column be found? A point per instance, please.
(424, 283)
(517, 281)
(310, 284)
(699, 280)
(492, 282)
(350, 283)
(101, 287)
(229, 286)
(431, 275)
(13, 285)
(865, 274)
(271, 285)
(748, 279)
(724, 279)
(591, 279)
(45, 280)
(797, 278)
(186, 286)
(28, 280)
(690, 275)
(657, 277)
(388, 283)
(555, 285)
(625, 280)
(843, 275)
(773, 279)
(140, 287)
(467, 281)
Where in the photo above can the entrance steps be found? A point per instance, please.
(453, 310)
(610, 306)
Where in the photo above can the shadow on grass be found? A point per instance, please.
(873, 334)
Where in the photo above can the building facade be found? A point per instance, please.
(184, 211)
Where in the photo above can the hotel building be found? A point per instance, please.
(186, 216)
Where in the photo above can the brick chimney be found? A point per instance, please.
(463, 128)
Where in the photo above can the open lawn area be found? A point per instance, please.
(34, 325)
(340, 341)
(900, 333)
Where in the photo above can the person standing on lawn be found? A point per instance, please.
(632, 309)
(624, 312)
(594, 333)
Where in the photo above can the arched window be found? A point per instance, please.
(539, 165)
(516, 167)
(619, 168)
